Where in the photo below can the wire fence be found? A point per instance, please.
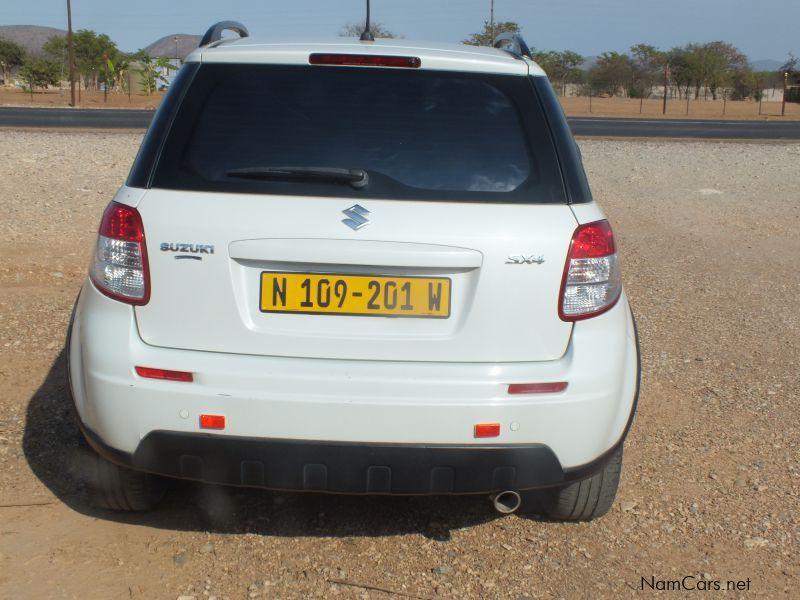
(702, 109)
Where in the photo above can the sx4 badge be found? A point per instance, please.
(524, 259)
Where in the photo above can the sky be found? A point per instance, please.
(765, 29)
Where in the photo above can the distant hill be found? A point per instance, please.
(30, 37)
(766, 65)
(33, 37)
(165, 47)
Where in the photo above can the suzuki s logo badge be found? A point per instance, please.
(524, 259)
(356, 217)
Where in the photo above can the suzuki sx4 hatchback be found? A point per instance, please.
(363, 268)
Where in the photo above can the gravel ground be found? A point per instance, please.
(710, 485)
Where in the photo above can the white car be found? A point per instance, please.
(357, 267)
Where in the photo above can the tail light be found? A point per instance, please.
(592, 282)
(120, 269)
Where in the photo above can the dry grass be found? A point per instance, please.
(88, 99)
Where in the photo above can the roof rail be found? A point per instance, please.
(513, 44)
(214, 33)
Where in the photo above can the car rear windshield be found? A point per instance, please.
(417, 134)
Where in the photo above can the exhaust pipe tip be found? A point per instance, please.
(506, 502)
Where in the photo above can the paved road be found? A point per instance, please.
(686, 128)
(88, 118)
(583, 126)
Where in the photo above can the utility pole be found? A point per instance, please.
(366, 35)
(71, 52)
(666, 83)
(491, 22)
(785, 82)
(105, 83)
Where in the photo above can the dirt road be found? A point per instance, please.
(711, 483)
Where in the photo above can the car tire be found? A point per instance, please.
(117, 488)
(582, 500)
(110, 486)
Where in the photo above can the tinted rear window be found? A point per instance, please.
(418, 134)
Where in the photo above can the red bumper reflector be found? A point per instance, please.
(537, 388)
(484, 430)
(212, 422)
(151, 373)
(365, 60)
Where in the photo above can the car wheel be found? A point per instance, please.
(581, 500)
(118, 488)
(110, 485)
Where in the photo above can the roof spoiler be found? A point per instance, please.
(214, 33)
(513, 44)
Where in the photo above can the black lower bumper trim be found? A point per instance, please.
(347, 468)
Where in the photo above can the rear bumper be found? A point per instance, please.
(368, 422)
(340, 467)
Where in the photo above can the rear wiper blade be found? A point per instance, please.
(358, 178)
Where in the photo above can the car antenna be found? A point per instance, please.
(366, 35)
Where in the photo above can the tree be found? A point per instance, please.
(612, 74)
(12, 55)
(151, 70)
(548, 60)
(744, 84)
(721, 59)
(790, 67)
(55, 48)
(568, 68)
(705, 67)
(484, 38)
(648, 69)
(681, 73)
(561, 67)
(115, 72)
(39, 73)
(92, 51)
(356, 29)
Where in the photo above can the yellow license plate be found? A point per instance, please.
(360, 295)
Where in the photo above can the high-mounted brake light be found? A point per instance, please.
(365, 60)
(151, 373)
(120, 268)
(592, 282)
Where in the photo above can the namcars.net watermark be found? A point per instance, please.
(691, 583)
